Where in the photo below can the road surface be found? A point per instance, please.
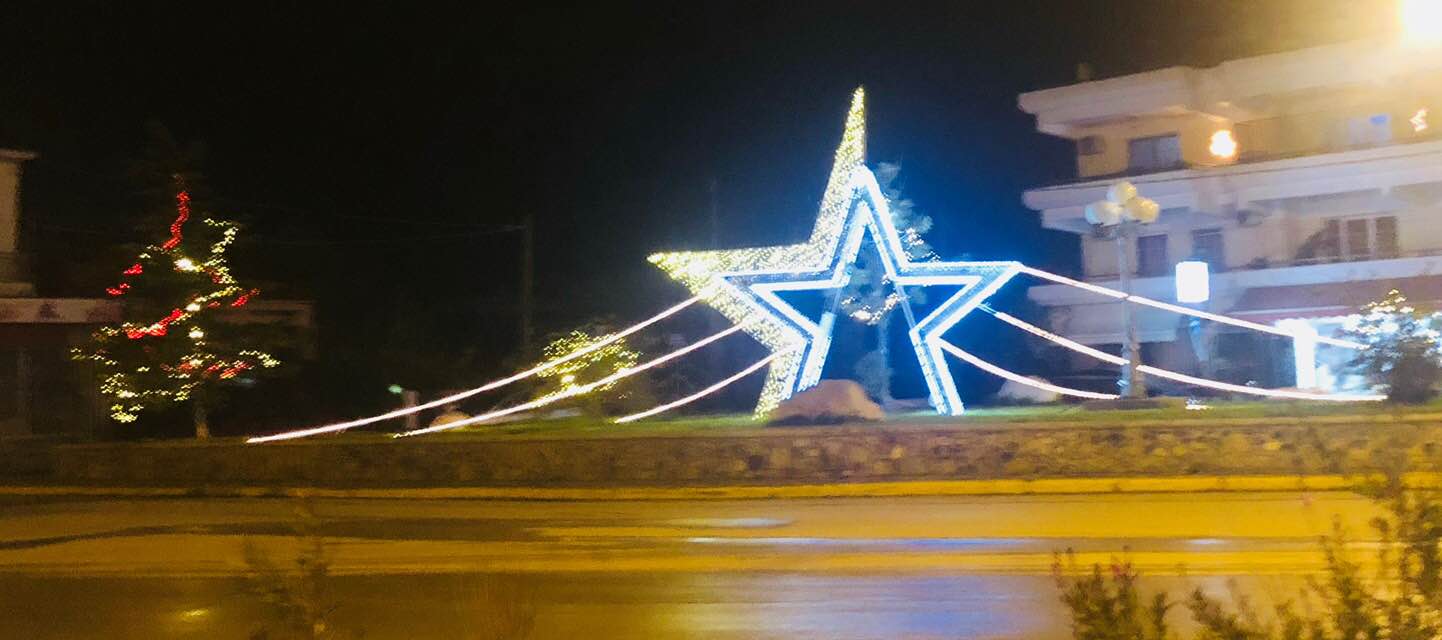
(956, 567)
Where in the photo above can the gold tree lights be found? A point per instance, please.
(170, 345)
(581, 357)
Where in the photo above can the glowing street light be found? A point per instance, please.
(1223, 145)
(1127, 211)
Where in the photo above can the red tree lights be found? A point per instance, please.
(170, 347)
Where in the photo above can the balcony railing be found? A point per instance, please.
(1259, 264)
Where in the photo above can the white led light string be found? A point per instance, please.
(1113, 293)
(342, 426)
(702, 393)
(578, 390)
(1021, 379)
(1178, 377)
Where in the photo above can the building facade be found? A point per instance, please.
(1309, 181)
(41, 391)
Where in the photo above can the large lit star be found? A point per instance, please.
(743, 284)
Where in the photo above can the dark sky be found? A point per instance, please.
(370, 148)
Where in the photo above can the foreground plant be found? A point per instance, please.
(297, 600)
(1401, 601)
(1109, 607)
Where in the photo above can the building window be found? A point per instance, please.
(1154, 153)
(1152, 256)
(1359, 238)
(1384, 236)
(1331, 246)
(1207, 247)
(1357, 241)
(1090, 146)
(1365, 131)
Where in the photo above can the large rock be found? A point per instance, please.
(1016, 392)
(829, 402)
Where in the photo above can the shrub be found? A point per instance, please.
(1403, 354)
(1403, 600)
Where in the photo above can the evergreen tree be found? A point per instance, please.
(1404, 348)
(870, 297)
(170, 346)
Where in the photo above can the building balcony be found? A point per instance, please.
(1222, 192)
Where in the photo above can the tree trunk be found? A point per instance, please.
(202, 427)
(883, 349)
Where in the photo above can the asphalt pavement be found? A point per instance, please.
(944, 567)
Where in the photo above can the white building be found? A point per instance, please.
(1311, 181)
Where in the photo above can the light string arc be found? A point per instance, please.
(1021, 379)
(342, 426)
(577, 390)
(1173, 375)
(1166, 306)
(702, 393)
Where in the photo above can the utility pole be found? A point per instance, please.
(716, 358)
(715, 188)
(528, 281)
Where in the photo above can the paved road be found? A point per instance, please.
(839, 568)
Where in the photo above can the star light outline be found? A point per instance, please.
(742, 284)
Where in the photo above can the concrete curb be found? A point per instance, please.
(1044, 486)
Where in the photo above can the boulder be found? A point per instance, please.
(829, 402)
(1016, 392)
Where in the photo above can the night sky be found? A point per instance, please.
(377, 154)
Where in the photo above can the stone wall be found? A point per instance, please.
(812, 455)
(27, 459)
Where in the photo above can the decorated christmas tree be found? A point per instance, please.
(171, 347)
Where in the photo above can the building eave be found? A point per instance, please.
(17, 155)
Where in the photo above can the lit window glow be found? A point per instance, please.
(1304, 351)
(1193, 282)
(1419, 121)
(1421, 22)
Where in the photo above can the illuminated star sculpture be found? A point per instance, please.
(743, 284)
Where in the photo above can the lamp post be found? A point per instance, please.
(1125, 212)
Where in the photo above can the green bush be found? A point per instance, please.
(1403, 354)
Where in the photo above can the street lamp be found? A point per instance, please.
(1124, 212)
